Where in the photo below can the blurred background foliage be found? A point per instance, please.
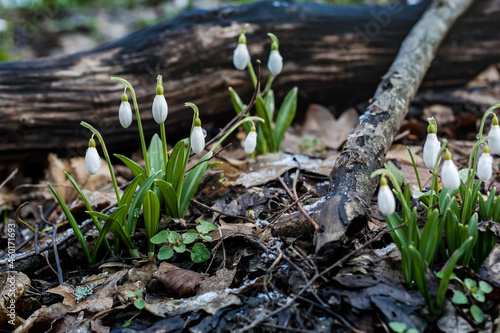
(37, 28)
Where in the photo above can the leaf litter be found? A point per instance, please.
(254, 277)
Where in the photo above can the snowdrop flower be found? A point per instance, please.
(125, 112)
(449, 173)
(160, 107)
(92, 159)
(494, 144)
(197, 137)
(432, 145)
(275, 62)
(241, 56)
(251, 141)
(385, 198)
(484, 165)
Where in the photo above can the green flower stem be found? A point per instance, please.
(106, 156)
(415, 168)
(164, 143)
(473, 158)
(435, 182)
(485, 116)
(138, 116)
(252, 74)
(269, 82)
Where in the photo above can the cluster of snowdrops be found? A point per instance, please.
(165, 180)
(452, 212)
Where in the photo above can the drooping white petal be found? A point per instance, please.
(160, 109)
(92, 160)
(494, 144)
(431, 150)
(485, 167)
(125, 114)
(197, 140)
(449, 175)
(275, 62)
(386, 200)
(241, 56)
(250, 142)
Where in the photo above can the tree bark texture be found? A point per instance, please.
(364, 152)
(334, 54)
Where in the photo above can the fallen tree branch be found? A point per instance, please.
(346, 207)
(365, 149)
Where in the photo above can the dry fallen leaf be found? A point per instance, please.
(332, 133)
(220, 281)
(12, 286)
(181, 281)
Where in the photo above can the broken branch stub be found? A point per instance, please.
(364, 152)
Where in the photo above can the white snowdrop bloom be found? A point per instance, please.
(494, 144)
(251, 141)
(449, 173)
(197, 137)
(385, 198)
(125, 112)
(485, 165)
(92, 159)
(160, 107)
(431, 150)
(275, 62)
(241, 56)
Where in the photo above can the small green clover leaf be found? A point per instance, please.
(459, 298)
(181, 248)
(470, 284)
(205, 227)
(139, 304)
(479, 296)
(189, 237)
(397, 327)
(174, 237)
(206, 238)
(165, 253)
(477, 313)
(485, 287)
(160, 237)
(199, 253)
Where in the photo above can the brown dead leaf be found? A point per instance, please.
(220, 281)
(144, 272)
(128, 288)
(181, 281)
(210, 302)
(43, 317)
(233, 228)
(332, 133)
(66, 291)
(12, 286)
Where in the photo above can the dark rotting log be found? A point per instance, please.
(334, 54)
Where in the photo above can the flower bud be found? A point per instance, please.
(431, 146)
(251, 141)
(449, 173)
(494, 144)
(241, 56)
(125, 112)
(385, 199)
(275, 62)
(160, 107)
(197, 137)
(485, 165)
(92, 159)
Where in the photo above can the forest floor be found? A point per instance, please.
(254, 280)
